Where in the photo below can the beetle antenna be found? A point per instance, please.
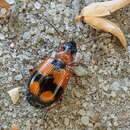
(97, 37)
(53, 26)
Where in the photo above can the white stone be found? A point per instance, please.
(113, 94)
(18, 77)
(11, 1)
(37, 5)
(12, 45)
(2, 37)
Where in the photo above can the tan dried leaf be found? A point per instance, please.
(14, 127)
(4, 4)
(107, 26)
(92, 15)
(14, 94)
(100, 9)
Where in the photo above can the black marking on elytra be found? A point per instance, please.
(58, 64)
(46, 84)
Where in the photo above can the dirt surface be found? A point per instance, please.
(101, 100)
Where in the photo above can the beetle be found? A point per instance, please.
(48, 81)
(50, 78)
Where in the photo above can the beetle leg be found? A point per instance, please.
(52, 107)
(73, 64)
(77, 79)
(45, 113)
(56, 105)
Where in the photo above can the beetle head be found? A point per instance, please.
(70, 47)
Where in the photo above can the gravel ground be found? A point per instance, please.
(101, 101)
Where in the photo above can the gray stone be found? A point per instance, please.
(85, 120)
(129, 49)
(80, 71)
(66, 121)
(18, 77)
(27, 35)
(77, 93)
(82, 112)
(115, 85)
(50, 30)
(2, 36)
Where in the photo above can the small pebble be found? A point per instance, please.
(113, 94)
(3, 12)
(18, 77)
(66, 121)
(77, 93)
(80, 71)
(82, 112)
(129, 49)
(12, 45)
(115, 86)
(2, 37)
(32, 20)
(37, 5)
(85, 120)
(109, 123)
(50, 30)
(109, 128)
(85, 104)
(83, 47)
(1, 52)
(11, 1)
(115, 123)
(27, 35)
(125, 88)
(78, 57)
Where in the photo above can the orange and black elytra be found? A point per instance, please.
(50, 78)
